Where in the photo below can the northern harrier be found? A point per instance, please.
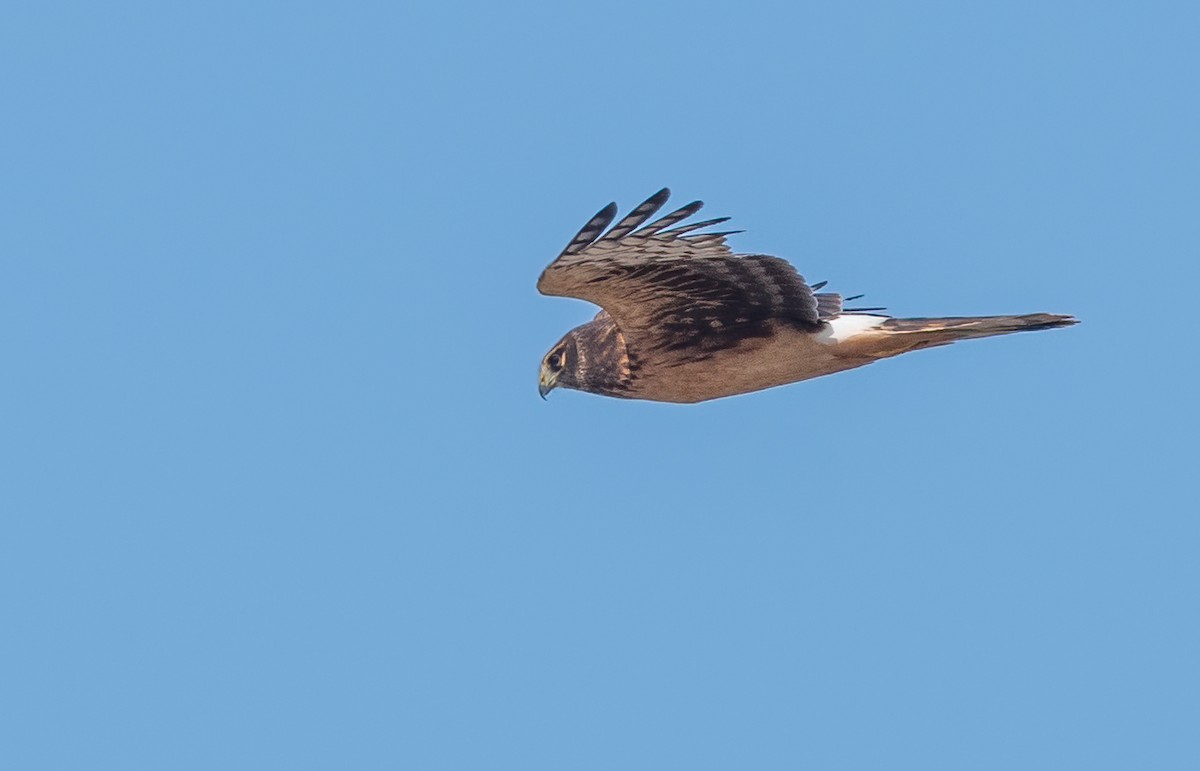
(684, 319)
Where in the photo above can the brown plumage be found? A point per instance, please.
(684, 319)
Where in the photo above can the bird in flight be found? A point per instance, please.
(684, 319)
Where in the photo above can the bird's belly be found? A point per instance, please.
(787, 356)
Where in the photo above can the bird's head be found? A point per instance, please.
(591, 358)
(559, 366)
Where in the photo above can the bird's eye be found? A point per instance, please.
(555, 361)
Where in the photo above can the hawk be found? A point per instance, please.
(684, 319)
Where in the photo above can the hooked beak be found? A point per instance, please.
(546, 384)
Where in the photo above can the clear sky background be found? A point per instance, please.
(278, 491)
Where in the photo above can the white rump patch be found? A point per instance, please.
(842, 328)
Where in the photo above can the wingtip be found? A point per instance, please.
(1063, 319)
(1037, 321)
(656, 201)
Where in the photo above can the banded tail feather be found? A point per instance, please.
(953, 328)
(880, 337)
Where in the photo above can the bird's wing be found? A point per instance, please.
(677, 294)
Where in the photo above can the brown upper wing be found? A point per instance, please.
(678, 295)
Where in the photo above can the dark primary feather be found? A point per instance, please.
(678, 215)
(635, 218)
(704, 238)
(676, 294)
(592, 230)
(696, 225)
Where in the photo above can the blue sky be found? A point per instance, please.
(278, 490)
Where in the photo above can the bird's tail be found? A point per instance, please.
(896, 336)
